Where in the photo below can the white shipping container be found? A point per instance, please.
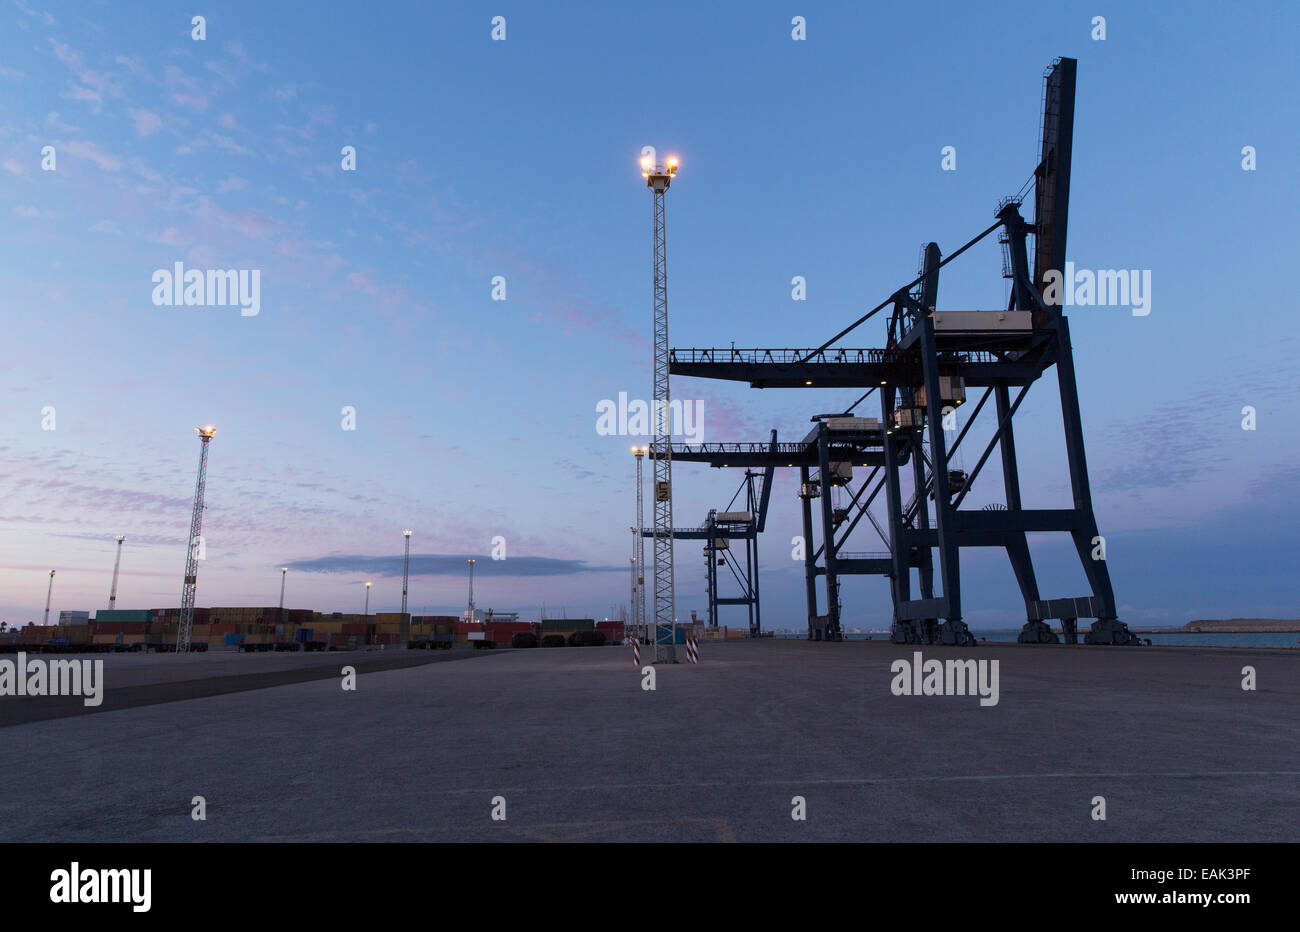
(853, 423)
(968, 321)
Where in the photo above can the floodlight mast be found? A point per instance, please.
(117, 563)
(406, 569)
(658, 178)
(192, 545)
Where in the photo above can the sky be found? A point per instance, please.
(481, 162)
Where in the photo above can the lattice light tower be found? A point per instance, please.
(657, 179)
(638, 546)
(112, 592)
(406, 567)
(470, 614)
(192, 547)
(49, 594)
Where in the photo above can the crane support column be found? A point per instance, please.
(832, 629)
(809, 557)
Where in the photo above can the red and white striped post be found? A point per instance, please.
(692, 650)
(636, 652)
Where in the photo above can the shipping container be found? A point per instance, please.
(123, 614)
(121, 627)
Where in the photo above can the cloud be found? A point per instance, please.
(195, 101)
(170, 237)
(96, 83)
(146, 121)
(105, 226)
(78, 93)
(228, 144)
(91, 152)
(439, 564)
(132, 64)
(14, 166)
(53, 122)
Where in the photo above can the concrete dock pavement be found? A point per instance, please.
(717, 752)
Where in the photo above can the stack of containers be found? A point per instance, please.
(465, 628)
(566, 626)
(34, 635)
(614, 631)
(502, 632)
(390, 627)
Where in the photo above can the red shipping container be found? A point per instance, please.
(356, 629)
(467, 627)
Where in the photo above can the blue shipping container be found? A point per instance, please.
(304, 635)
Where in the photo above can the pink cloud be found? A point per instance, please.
(146, 121)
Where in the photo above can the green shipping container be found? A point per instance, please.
(121, 614)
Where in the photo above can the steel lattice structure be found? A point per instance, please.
(638, 549)
(406, 569)
(658, 178)
(191, 554)
(117, 564)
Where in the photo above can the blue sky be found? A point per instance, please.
(476, 418)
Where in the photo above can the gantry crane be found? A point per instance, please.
(931, 357)
(722, 527)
